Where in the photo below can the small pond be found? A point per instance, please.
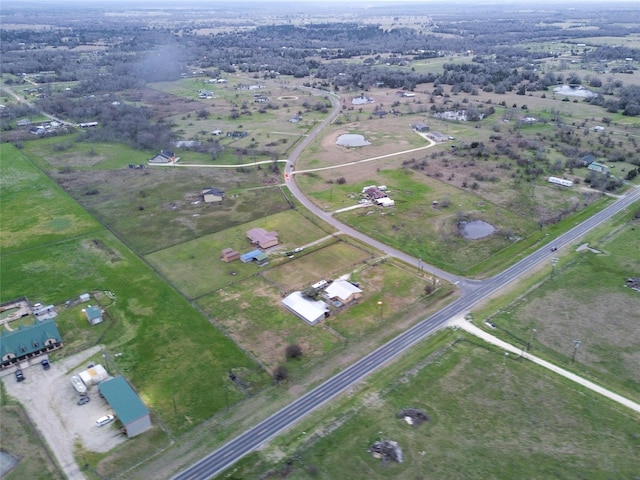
(476, 229)
(352, 140)
(577, 91)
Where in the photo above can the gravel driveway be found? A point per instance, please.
(51, 403)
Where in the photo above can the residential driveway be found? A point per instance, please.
(51, 402)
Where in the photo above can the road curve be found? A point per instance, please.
(243, 444)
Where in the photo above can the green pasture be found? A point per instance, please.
(585, 298)
(150, 324)
(489, 417)
(57, 154)
(195, 268)
(35, 210)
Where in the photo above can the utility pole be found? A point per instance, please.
(380, 308)
(533, 332)
(576, 345)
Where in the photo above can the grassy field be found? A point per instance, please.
(195, 267)
(586, 299)
(489, 417)
(35, 211)
(158, 207)
(150, 324)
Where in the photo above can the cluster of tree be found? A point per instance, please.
(118, 122)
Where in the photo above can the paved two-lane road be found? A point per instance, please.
(253, 438)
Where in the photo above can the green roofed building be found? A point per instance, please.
(29, 341)
(127, 405)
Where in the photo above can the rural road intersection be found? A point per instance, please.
(473, 293)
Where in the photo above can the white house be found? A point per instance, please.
(560, 181)
(343, 291)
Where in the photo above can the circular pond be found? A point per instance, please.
(352, 140)
(475, 229)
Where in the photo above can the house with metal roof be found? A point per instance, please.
(598, 167)
(129, 409)
(27, 342)
(343, 291)
(262, 238)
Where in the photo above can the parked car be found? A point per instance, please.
(45, 364)
(104, 420)
(83, 399)
(19, 375)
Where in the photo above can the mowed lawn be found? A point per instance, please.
(489, 418)
(588, 300)
(163, 340)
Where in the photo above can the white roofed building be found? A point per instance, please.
(343, 291)
(309, 310)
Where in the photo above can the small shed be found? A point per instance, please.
(257, 256)
(85, 297)
(212, 195)
(93, 314)
(126, 404)
(229, 255)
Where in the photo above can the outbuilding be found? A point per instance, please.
(133, 414)
(309, 310)
(93, 314)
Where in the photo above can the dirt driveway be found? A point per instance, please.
(51, 403)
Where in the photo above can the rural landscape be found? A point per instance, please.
(294, 240)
